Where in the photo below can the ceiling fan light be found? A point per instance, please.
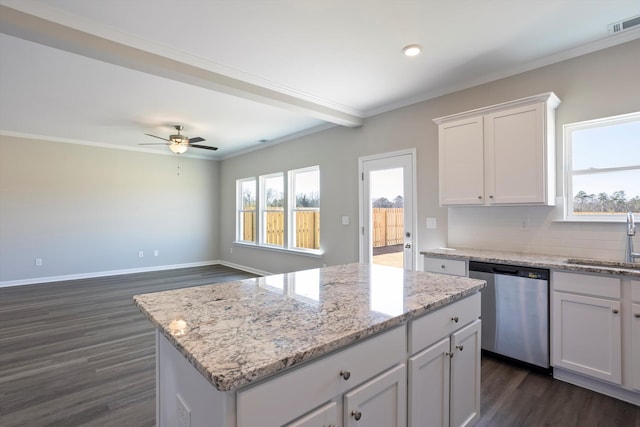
(178, 148)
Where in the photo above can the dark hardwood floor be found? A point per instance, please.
(79, 353)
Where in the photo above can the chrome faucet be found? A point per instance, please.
(630, 256)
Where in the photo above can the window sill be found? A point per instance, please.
(309, 252)
(593, 220)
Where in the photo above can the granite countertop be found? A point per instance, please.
(537, 260)
(238, 332)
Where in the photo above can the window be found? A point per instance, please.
(289, 210)
(246, 220)
(305, 212)
(272, 203)
(603, 168)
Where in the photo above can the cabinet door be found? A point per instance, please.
(325, 416)
(515, 153)
(635, 345)
(380, 402)
(461, 146)
(586, 334)
(465, 376)
(429, 373)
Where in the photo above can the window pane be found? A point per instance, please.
(273, 210)
(606, 192)
(248, 194)
(610, 146)
(274, 192)
(307, 189)
(306, 216)
(247, 226)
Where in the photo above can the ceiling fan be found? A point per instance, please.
(179, 143)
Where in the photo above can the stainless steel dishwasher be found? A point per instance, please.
(515, 312)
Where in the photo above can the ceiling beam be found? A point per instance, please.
(39, 30)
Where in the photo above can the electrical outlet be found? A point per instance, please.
(156, 252)
(183, 412)
(140, 254)
(431, 223)
(38, 262)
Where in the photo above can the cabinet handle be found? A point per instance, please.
(491, 197)
(449, 354)
(455, 319)
(479, 197)
(615, 311)
(333, 425)
(637, 315)
(460, 347)
(357, 415)
(443, 266)
(345, 374)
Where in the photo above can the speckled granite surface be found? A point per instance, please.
(537, 260)
(237, 332)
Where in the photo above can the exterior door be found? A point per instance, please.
(387, 200)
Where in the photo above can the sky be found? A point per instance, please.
(607, 147)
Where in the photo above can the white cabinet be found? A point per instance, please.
(635, 335)
(453, 267)
(499, 155)
(586, 326)
(429, 384)
(595, 334)
(444, 377)
(298, 392)
(380, 402)
(465, 376)
(587, 336)
(325, 416)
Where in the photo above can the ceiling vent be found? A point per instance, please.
(617, 27)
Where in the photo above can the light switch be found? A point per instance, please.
(431, 223)
(345, 220)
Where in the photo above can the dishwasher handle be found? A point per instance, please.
(509, 270)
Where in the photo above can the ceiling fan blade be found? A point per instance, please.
(204, 147)
(159, 137)
(196, 139)
(154, 143)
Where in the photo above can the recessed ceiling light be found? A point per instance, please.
(412, 50)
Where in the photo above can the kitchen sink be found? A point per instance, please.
(601, 263)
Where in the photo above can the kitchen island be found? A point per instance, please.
(331, 346)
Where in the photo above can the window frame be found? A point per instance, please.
(289, 209)
(293, 208)
(569, 172)
(240, 210)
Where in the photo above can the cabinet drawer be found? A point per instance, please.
(635, 290)
(453, 267)
(434, 326)
(283, 398)
(587, 284)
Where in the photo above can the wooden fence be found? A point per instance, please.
(388, 226)
(307, 230)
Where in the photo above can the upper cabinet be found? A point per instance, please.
(499, 155)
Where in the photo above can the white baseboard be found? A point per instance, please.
(244, 268)
(36, 280)
(612, 390)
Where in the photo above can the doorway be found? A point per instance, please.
(387, 200)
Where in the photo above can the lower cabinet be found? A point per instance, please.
(586, 326)
(635, 345)
(444, 381)
(326, 415)
(635, 334)
(380, 402)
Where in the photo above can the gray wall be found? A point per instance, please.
(86, 209)
(600, 84)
